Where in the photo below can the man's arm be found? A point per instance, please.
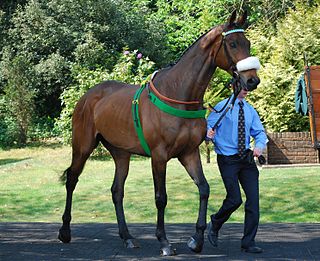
(257, 131)
(211, 121)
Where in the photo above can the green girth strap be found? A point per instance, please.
(176, 112)
(163, 107)
(136, 119)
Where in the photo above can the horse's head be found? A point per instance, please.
(233, 53)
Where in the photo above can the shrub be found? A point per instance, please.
(132, 67)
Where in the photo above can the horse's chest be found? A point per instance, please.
(188, 132)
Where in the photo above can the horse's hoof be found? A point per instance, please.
(64, 235)
(168, 251)
(131, 243)
(194, 245)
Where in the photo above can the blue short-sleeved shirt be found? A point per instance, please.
(226, 136)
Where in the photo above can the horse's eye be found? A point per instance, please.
(233, 45)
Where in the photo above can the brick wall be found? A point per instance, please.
(291, 148)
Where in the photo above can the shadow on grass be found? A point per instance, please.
(108, 157)
(52, 144)
(9, 161)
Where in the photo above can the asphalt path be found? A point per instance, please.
(98, 241)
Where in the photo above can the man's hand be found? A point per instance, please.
(257, 152)
(210, 133)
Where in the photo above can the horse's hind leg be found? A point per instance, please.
(192, 163)
(80, 154)
(121, 159)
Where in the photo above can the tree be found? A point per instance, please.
(58, 39)
(184, 22)
(18, 99)
(57, 35)
(282, 57)
(131, 67)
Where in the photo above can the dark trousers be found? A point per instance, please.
(234, 170)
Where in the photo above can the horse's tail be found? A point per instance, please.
(63, 177)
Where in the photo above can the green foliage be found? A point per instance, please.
(85, 79)
(91, 53)
(131, 67)
(218, 88)
(266, 11)
(57, 34)
(282, 57)
(42, 129)
(8, 128)
(18, 98)
(2, 33)
(63, 39)
(184, 22)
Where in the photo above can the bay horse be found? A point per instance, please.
(104, 114)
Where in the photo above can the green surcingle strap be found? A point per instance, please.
(174, 111)
(136, 119)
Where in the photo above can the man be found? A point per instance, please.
(236, 164)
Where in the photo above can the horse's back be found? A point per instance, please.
(93, 96)
(106, 109)
(105, 89)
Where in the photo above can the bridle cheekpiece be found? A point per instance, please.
(249, 63)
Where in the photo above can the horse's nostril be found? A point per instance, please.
(257, 81)
(253, 82)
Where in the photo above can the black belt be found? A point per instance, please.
(247, 157)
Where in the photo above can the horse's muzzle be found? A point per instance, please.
(244, 68)
(252, 83)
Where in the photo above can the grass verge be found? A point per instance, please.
(30, 190)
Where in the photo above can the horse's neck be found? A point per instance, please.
(188, 79)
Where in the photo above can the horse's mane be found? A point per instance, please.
(199, 38)
(235, 25)
(188, 48)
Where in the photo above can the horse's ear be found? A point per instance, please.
(233, 17)
(242, 20)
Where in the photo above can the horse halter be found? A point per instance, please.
(248, 63)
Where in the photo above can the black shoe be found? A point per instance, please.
(252, 249)
(212, 235)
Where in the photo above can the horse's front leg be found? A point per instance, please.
(192, 164)
(159, 179)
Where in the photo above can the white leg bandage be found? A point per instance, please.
(248, 63)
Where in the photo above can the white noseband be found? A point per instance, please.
(248, 63)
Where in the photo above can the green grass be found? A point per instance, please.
(30, 190)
